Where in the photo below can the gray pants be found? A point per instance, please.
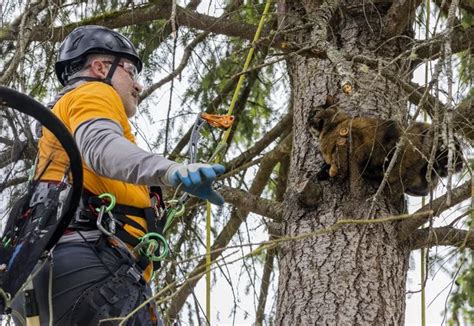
(92, 282)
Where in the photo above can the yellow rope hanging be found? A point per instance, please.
(216, 157)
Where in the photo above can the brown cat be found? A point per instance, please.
(362, 147)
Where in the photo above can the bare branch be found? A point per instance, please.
(280, 129)
(248, 202)
(267, 273)
(442, 236)
(184, 61)
(146, 13)
(193, 4)
(229, 86)
(6, 141)
(417, 94)
(467, 5)
(13, 182)
(461, 39)
(438, 205)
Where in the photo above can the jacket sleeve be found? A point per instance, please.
(108, 153)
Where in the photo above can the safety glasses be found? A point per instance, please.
(129, 67)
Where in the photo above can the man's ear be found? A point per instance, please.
(99, 69)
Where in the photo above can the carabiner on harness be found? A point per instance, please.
(106, 209)
(176, 209)
(150, 244)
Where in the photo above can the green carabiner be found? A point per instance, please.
(173, 212)
(112, 201)
(151, 240)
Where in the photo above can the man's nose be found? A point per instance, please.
(138, 87)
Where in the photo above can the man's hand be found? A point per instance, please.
(196, 179)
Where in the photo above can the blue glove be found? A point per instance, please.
(196, 179)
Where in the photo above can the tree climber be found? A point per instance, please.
(94, 278)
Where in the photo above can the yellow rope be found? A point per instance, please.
(216, 157)
(208, 262)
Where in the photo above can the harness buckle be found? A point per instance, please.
(134, 274)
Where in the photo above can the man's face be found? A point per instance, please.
(125, 83)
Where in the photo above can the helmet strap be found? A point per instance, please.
(107, 79)
(113, 67)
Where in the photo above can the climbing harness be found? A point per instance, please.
(103, 213)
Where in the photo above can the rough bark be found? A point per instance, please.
(355, 275)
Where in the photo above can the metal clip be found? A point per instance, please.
(99, 221)
(134, 274)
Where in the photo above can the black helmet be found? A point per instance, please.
(93, 39)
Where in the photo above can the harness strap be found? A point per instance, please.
(86, 219)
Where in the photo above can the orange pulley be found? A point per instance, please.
(222, 121)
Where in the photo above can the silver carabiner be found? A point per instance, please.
(99, 221)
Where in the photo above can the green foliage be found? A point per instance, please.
(462, 300)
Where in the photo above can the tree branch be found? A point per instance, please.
(461, 39)
(245, 201)
(188, 50)
(267, 273)
(184, 61)
(280, 129)
(467, 5)
(438, 205)
(416, 93)
(319, 36)
(146, 13)
(227, 89)
(442, 236)
(6, 141)
(13, 182)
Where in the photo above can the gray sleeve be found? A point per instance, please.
(106, 151)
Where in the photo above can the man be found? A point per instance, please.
(92, 277)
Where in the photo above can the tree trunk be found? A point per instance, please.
(356, 274)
